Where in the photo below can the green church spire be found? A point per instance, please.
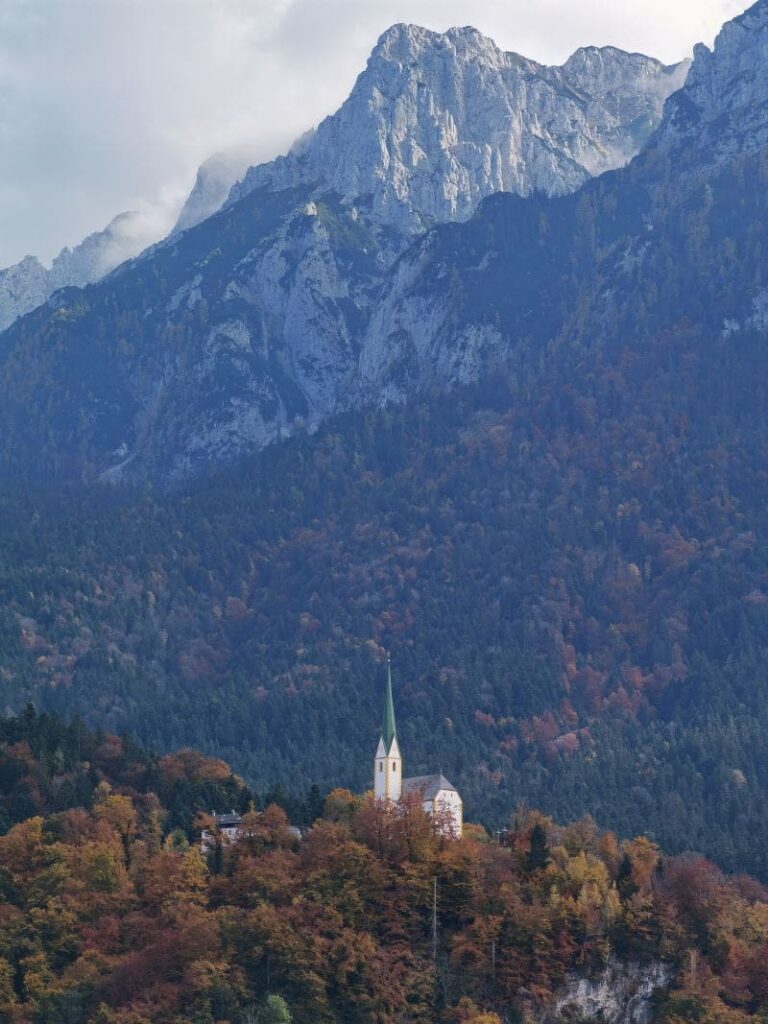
(388, 730)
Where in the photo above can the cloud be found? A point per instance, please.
(110, 105)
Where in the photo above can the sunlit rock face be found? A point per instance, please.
(436, 123)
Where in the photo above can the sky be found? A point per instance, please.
(111, 105)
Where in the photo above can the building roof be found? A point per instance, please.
(388, 730)
(229, 820)
(427, 786)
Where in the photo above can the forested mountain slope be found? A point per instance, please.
(48, 766)
(591, 638)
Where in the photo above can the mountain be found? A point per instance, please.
(230, 336)
(28, 284)
(436, 123)
(618, 260)
(248, 326)
(23, 287)
(722, 111)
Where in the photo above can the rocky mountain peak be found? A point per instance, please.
(22, 287)
(404, 44)
(438, 121)
(100, 252)
(602, 68)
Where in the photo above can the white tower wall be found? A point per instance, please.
(388, 772)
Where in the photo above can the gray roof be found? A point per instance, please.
(228, 820)
(427, 786)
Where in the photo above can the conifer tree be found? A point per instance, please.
(538, 854)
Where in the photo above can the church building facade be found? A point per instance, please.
(437, 795)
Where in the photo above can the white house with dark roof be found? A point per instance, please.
(229, 825)
(437, 794)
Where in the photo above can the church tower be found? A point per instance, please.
(388, 764)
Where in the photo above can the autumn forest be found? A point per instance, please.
(111, 914)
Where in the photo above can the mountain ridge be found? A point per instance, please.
(725, 103)
(274, 328)
(491, 147)
(426, 334)
(29, 284)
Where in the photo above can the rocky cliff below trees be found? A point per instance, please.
(619, 994)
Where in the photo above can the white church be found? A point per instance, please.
(435, 791)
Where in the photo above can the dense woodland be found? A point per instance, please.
(577, 614)
(111, 914)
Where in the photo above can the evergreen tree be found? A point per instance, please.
(537, 857)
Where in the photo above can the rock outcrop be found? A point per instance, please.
(621, 994)
(213, 183)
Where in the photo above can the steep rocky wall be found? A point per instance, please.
(621, 994)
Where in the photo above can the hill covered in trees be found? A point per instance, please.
(110, 915)
(48, 765)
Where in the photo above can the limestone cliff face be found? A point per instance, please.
(23, 287)
(213, 184)
(436, 123)
(621, 994)
(279, 352)
(723, 110)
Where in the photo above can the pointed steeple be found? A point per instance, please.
(388, 730)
